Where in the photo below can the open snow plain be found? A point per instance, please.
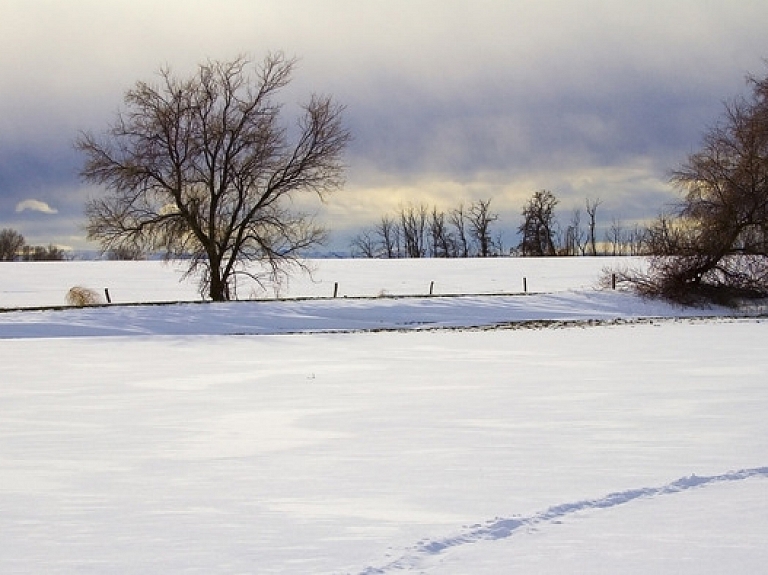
(347, 436)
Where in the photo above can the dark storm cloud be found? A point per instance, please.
(505, 119)
(448, 100)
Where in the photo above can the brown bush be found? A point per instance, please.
(80, 296)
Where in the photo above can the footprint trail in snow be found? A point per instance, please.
(501, 528)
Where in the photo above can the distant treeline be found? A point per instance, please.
(419, 231)
(13, 247)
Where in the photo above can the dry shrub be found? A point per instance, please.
(80, 296)
(700, 280)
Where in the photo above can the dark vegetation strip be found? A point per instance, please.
(524, 324)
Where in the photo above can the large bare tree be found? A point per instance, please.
(716, 245)
(203, 168)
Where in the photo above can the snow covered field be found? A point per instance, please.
(29, 284)
(279, 437)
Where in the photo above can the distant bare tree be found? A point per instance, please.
(573, 238)
(637, 240)
(365, 245)
(480, 219)
(538, 227)
(390, 235)
(50, 253)
(499, 243)
(458, 219)
(442, 242)
(382, 241)
(11, 245)
(626, 241)
(419, 231)
(389, 232)
(413, 226)
(592, 206)
(614, 238)
(203, 168)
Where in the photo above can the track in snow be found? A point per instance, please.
(501, 528)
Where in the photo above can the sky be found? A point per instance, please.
(448, 101)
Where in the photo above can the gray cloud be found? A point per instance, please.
(448, 100)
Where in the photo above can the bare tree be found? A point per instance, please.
(50, 253)
(443, 244)
(573, 239)
(538, 227)
(389, 232)
(637, 240)
(480, 219)
(499, 243)
(716, 248)
(623, 241)
(413, 225)
(382, 241)
(11, 245)
(458, 219)
(365, 245)
(614, 237)
(592, 206)
(203, 168)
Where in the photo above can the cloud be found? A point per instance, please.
(35, 206)
(448, 100)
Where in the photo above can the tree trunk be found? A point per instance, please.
(218, 291)
(219, 287)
